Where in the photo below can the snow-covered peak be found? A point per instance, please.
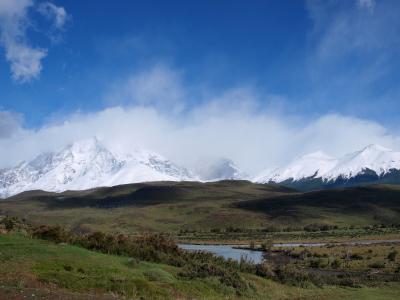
(373, 157)
(309, 165)
(86, 164)
(375, 148)
(320, 165)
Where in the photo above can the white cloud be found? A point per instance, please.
(231, 124)
(53, 12)
(160, 87)
(25, 60)
(10, 123)
(253, 140)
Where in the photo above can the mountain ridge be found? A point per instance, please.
(372, 164)
(89, 164)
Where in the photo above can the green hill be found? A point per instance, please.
(188, 206)
(376, 204)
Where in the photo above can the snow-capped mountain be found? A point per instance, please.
(310, 165)
(219, 169)
(87, 164)
(372, 164)
(376, 158)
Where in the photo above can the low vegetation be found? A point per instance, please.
(160, 261)
(120, 242)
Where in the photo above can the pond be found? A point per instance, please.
(226, 251)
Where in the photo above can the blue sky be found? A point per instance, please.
(216, 43)
(298, 62)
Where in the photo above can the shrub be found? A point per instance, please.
(377, 265)
(335, 264)
(356, 256)
(13, 223)
(318, 227)
(227, 276)
(264, 269)
(52, 233)
(392, 256)
(315, 263)
(267, 245)
(349, 282)
(297, 277)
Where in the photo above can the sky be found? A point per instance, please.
(259, 82)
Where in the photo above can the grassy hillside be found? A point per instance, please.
(159, 206)
(38, 269)
(226, 206)
(378, 204)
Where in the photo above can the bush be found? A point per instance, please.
(13, 223)
(56, 234)
(315, 263)
(349, 282)
(267, 245)
(297, 277)
(335, 264)
(392, 255)
(356, 256)
(377, 265)
(227, 276)
(264, 269)
(318, 227)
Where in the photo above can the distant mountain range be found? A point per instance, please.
(373, 164)
(88, 164)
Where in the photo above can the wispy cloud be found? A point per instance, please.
(25, 60)
(159, 86)
(54, 13)
(354, 49)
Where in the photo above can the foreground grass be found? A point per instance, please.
(69, 272)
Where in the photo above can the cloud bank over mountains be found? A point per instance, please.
(155, 107)
(231, 124)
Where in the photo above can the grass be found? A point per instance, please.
(40, 266)
(358, 258)
(203, 208)
(144, 207)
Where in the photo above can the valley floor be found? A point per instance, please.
(37, 269)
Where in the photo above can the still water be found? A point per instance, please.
(226, 251)
(229, 251)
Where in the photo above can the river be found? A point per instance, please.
(233, 252)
